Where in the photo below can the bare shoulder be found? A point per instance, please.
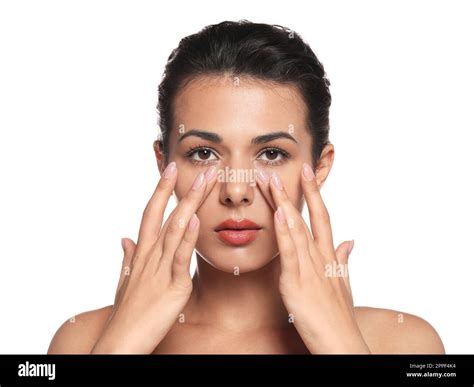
(390, 331)
(79, 334)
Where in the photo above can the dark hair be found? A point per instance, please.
(242, 48)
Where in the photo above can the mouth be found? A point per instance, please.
(236, 233)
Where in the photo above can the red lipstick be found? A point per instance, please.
(236, 233)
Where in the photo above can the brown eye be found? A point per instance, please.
(204, 154)
(201, 155)
(271, 154)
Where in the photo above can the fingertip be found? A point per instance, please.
(170, 171)
(193, 223)
(262, 176)
(307, 172)
(211, 172)
(128, 246)
(280, 215)
(350, 247)
(168, 179)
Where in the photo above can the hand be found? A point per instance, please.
(155, 283)
(313, 290)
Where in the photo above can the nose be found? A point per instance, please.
(236, 186)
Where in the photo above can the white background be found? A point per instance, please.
(78, 88)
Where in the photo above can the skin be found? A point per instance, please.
(282, 300)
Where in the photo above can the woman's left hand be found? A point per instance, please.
(314, 283)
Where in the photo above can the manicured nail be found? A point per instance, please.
(277, 181)
(210, 173)
(193, 222)
(170, 170)
(308, 172)
(198, 182)
(351, 246)
(281, 215)
(262, 175)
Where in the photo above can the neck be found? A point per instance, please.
(247, 301)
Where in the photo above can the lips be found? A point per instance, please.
(236, 233)
(244, 224)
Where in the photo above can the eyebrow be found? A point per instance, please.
(272, 136)
(213, 137)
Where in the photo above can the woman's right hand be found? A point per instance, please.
(155, 282)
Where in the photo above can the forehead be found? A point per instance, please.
(239, 108)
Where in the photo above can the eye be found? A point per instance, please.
(201, 155)
(273, 156)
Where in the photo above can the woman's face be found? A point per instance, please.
(234, 114)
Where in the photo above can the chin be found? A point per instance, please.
(247, 258)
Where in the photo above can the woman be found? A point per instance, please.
(244, 118)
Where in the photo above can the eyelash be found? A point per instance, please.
(193, 150)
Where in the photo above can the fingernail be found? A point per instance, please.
(193, 222)
(123, 243)
(262, 175)
(351, 246)
(170, 170)
(281, 215)
(198, 182)
(210, 173)
(277, 181)
(308, 172)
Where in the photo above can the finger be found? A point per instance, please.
(317, 261)
(263, 183)
(182, 257)
(319, 216)
(157, 249)
(296, 224)
(169, 240)
(286, 247)
(154, 210)
(128, 247)
(342, 253)
(210, 184)
(164, 227)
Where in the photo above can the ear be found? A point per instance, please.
(158, 148)
(325, 164)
